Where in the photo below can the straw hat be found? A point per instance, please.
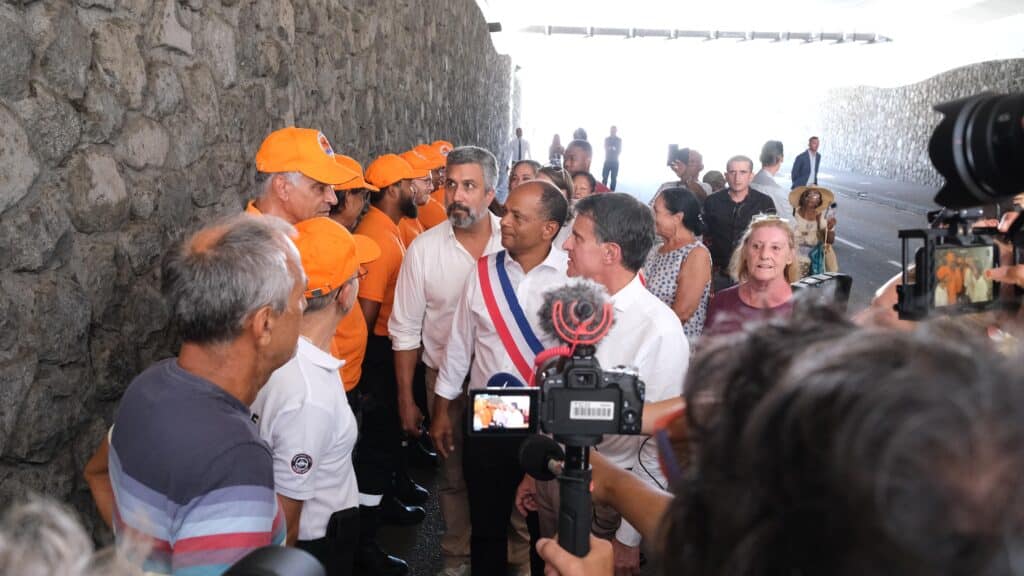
(827, 197)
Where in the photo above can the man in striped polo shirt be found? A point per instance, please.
(189, 472)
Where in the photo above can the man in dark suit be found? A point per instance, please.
(805, 167)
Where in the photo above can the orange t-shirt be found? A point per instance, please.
(382, 273)
(433, 213)
(409, 228)
(252, 210)
(349, 344)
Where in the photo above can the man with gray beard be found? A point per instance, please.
(430, 282)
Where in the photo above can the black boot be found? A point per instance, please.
(409, 492)
(393, 512)
(419, 453)
(370, 559)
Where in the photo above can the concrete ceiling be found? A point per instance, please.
(927, 36)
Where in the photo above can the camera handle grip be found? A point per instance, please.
(575, 513)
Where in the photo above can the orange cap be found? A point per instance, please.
(359, 182)
(418, 160)
(301, 150)
(390, 168)
(443, 147)
(330, 255)
(433, 157)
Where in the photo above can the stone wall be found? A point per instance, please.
(126, 123)
(885, 132)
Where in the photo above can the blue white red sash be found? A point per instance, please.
(521, 344)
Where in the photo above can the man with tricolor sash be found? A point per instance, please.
(495, 332)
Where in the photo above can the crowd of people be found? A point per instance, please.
(331, 332)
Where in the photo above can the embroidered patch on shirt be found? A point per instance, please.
(302, 463)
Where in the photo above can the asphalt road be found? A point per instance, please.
(870, 211)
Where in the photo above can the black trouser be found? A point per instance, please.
(612, 169)
(377, 455)
(492, 473)
(336, 550)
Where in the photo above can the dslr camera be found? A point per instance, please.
(978, 147)
(573, 399)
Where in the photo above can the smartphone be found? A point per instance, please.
(673, 149)
(503, 411)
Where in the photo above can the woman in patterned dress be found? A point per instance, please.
(679, 271)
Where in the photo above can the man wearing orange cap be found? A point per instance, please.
(432, 212)
(350, 336)
(353, 196)
(295, 172)
(422, 187)
(378, 453)
(303, 413)
(442, 148)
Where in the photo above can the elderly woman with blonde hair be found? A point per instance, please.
(764, 264)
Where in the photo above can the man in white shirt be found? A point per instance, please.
(519, 148)
(611, 236)
(529, 266)
(303, 413)
(431, 279)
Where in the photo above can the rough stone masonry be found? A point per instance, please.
(126, 123)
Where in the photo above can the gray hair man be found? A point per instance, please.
(296, 171)
(183, 447)
(420, 324)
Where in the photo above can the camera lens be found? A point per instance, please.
(978, 147)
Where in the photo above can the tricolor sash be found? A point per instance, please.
(521, 344)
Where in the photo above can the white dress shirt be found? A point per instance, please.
(430, 282)
(513, 150)
(474, 346)
(648, 336)
(303, 414)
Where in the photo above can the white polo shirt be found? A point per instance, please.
(303, 414)
(648, 336)
(474, 346)
(430, 282)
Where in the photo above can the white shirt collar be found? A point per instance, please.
(317, 356)
(495, 228)
(624, 298)
(556, 260)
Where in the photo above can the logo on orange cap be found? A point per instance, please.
(325, 145)
(302, 150)
(330, 254)
(443, 147)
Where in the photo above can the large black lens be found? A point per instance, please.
(979, 148)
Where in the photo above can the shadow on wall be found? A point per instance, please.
(126, 123)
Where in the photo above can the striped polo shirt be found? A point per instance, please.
(190, 474)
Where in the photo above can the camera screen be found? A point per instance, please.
(501, 412)
(960, 275)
